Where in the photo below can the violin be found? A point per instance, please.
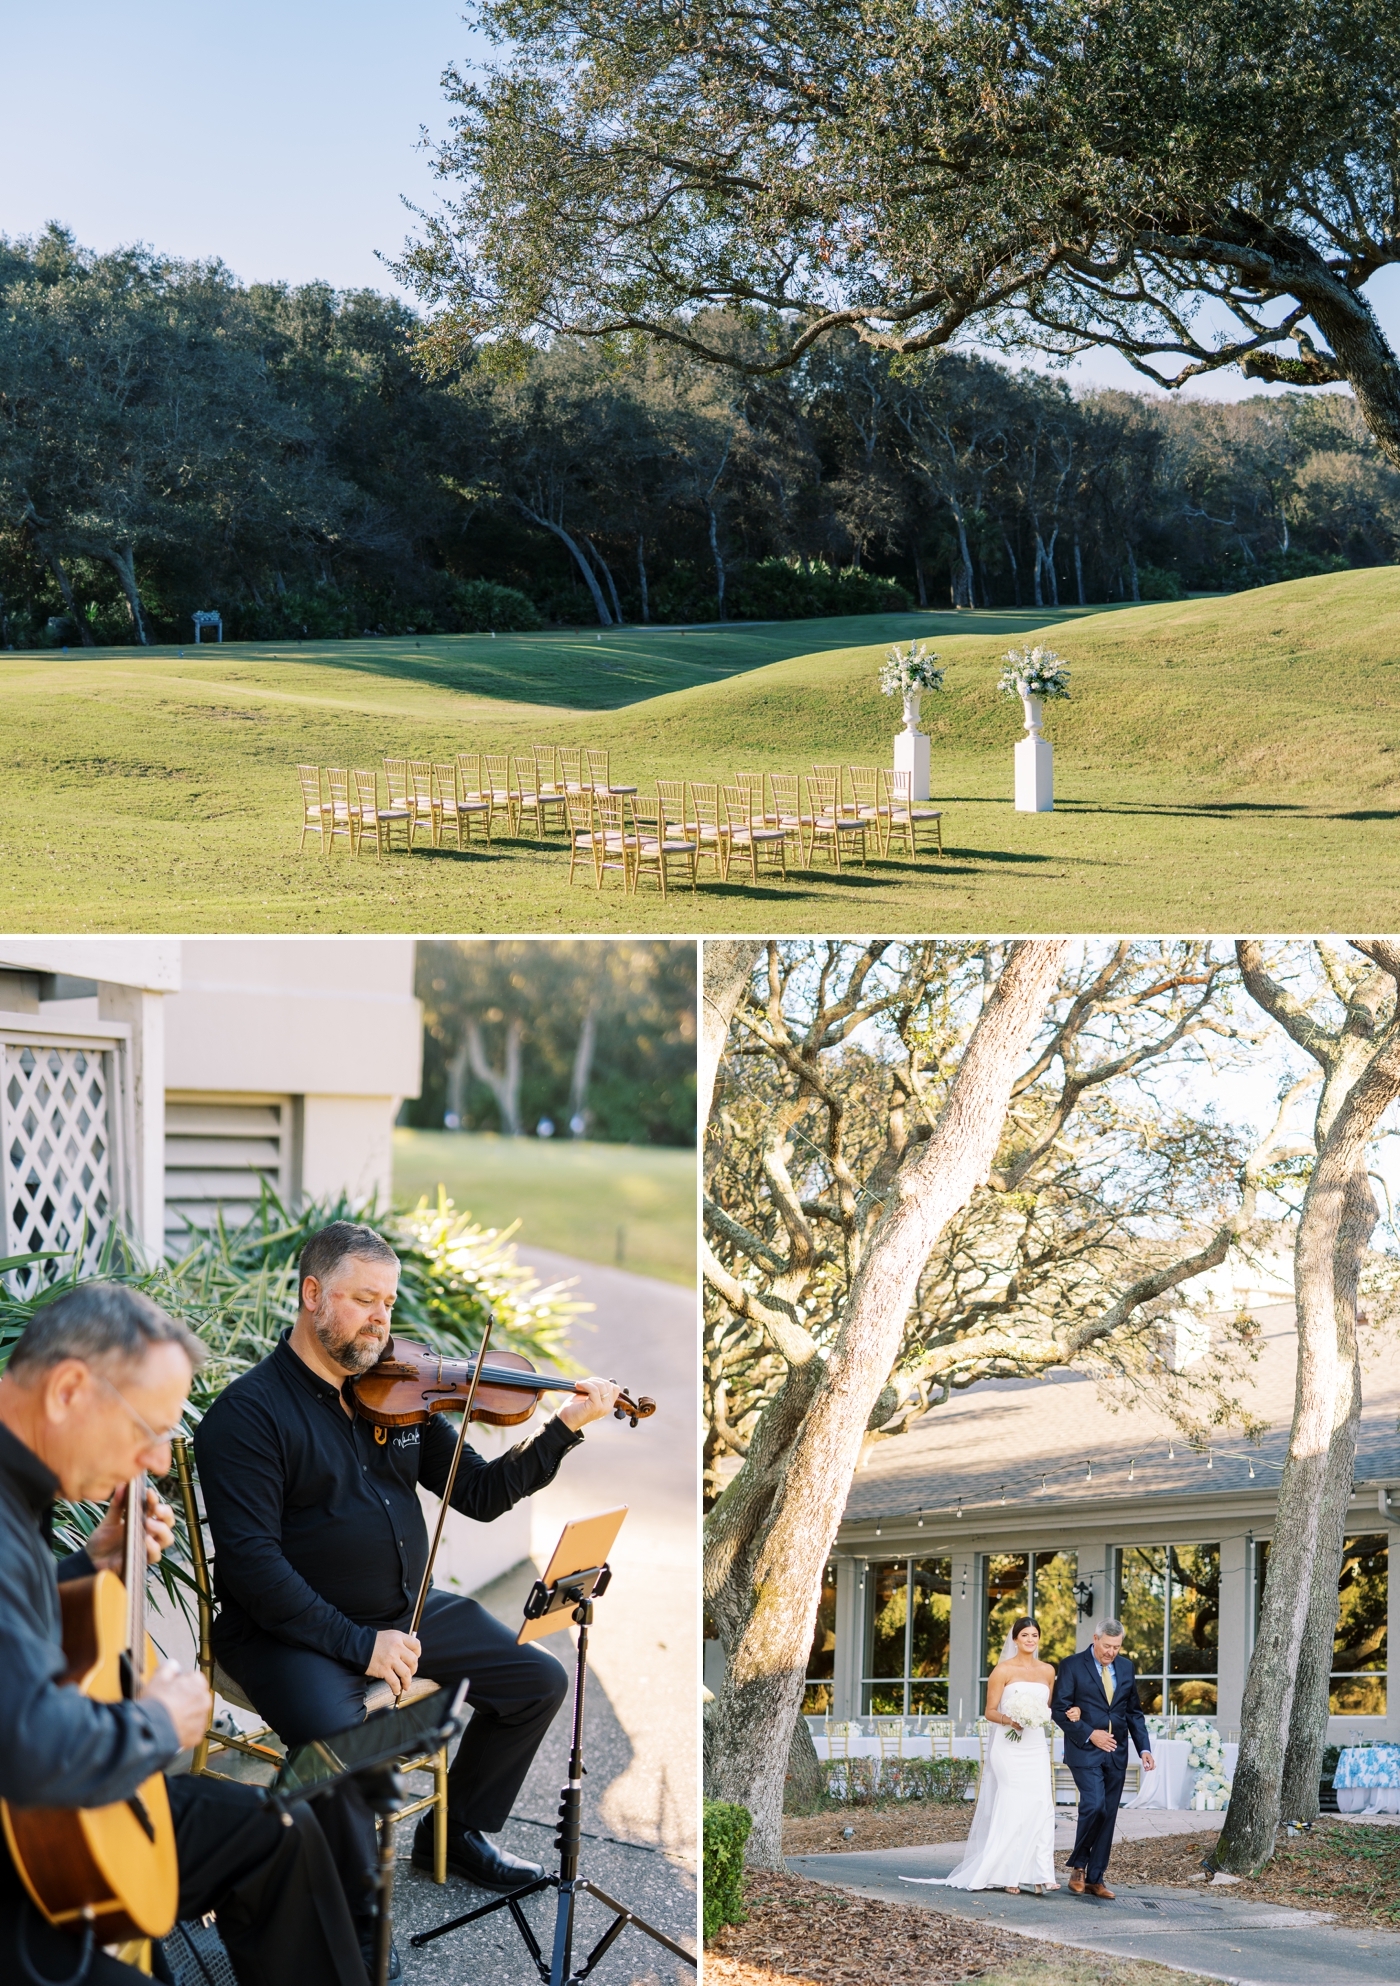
(411, 1382)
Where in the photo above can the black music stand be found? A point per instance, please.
(370, 1753)
(575, 1577)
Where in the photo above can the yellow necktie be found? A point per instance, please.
(1107, 1668)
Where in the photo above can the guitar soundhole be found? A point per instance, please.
(144, 1821)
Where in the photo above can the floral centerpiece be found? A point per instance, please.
(1027, 1706)
(909, 671)
(1037, 672)
(1205, 1750)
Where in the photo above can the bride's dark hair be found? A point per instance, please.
(1024, 1621)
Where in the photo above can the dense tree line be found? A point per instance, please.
(171, 439)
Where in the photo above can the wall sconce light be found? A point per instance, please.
(1083, 1598)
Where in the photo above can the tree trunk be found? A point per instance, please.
(1132, 569)
(803, 1786)
(642, 578)
(1015, 569)
(921, 591)
(503, 1083)
(576, 551)
(1348, 323)
(729, 964)
(583, 1064)
(1307, 1734)
(607, 574)
(55, 566)
(1323, 1408)
(962, 577)
(1036, 568)
(1050, 567)
(715, 555)
(457, 1083)
(123, 563)
(1079, 572)
(769, 1534)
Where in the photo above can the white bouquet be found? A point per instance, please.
(1034, 672)
(1027, 1706)
(910, 669)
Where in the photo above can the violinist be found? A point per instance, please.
(320, 1546)
(94, 1376)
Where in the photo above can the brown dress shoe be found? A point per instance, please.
(1076, 1881)
(1101, 1889)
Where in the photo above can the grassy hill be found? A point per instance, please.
(1226, 762)
(631, 1206)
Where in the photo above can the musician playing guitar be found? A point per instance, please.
(320, 1546)
(91, 1385)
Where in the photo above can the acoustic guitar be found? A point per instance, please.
(111, 1870)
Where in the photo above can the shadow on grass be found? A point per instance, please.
(1197, 810)
(1367, 814)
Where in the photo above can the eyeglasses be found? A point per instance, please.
(156, 1440)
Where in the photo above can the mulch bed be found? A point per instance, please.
(907, 1824)
(815, 1935)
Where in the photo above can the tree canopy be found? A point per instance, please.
(1196, 186)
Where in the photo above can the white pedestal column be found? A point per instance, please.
(1035, 765)
(911, 756)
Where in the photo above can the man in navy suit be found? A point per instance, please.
(1095, 1703)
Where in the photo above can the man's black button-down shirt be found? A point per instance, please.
(58, 1748)
(319, 1537)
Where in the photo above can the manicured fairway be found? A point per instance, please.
(1226, 763)
(567, 1195)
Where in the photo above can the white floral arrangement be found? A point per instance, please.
(909, 669)
(1205, 1750)
(1034, 672)
(1027, 1706)
(1211, 1793)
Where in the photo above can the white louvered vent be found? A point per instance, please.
(57, 1155)
(218, 1152)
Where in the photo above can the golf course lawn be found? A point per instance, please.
(593, 1201)
(1230, 762)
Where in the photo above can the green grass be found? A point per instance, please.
(1226, 762)
(569, 1196)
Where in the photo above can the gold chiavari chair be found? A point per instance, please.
(472, 785)
(396, 775)
(314, 807)
(598, 771)
(498, 787)
(749, 834)
(340, 818)
(374, 819)
(424, 799)
(789, 813)
(571, 772)
(549, 786)
(870, 803)
(835, 775)
(455, 810)
(904, 812)
(663, 837)
(830, 825)
(890, 1732)
(711, 824)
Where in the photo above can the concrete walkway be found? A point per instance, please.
(1209, 1932)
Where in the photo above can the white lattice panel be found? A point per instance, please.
(57, 1152)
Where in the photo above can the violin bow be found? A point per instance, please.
(452, 1475)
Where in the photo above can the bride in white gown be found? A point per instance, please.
(1011, 1844)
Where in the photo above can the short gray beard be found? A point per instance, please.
(352, 1355)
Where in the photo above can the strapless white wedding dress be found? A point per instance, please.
(1012, 1839)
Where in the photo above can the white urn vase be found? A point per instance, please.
(1035, 763)
(911, 748)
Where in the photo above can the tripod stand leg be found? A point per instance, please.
(486, 1910)
(563, 1936)
(624, 1918)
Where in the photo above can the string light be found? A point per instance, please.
(1089, 1474)
(959, 1510)
(1251, 1472)
(1210, 1459)
(921, 1520)
(1171, 1451)
(1132, 1463)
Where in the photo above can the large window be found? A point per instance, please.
(1040, 1584)
(821, 1662)
(1168, 1599)
(905, 1665)
(1359, 1644)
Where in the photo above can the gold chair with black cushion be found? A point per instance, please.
(263, 1745)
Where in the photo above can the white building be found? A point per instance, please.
(150, 1081)
(1011, 1496)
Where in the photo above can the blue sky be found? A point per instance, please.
(282, 137)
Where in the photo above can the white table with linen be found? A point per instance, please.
(1174, 1780)
(916, 1745)
(1366, 1779)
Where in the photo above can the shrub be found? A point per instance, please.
(783, 590)
(1156, 584)
(869, 1782)
(726, 1829)
(476, 606)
